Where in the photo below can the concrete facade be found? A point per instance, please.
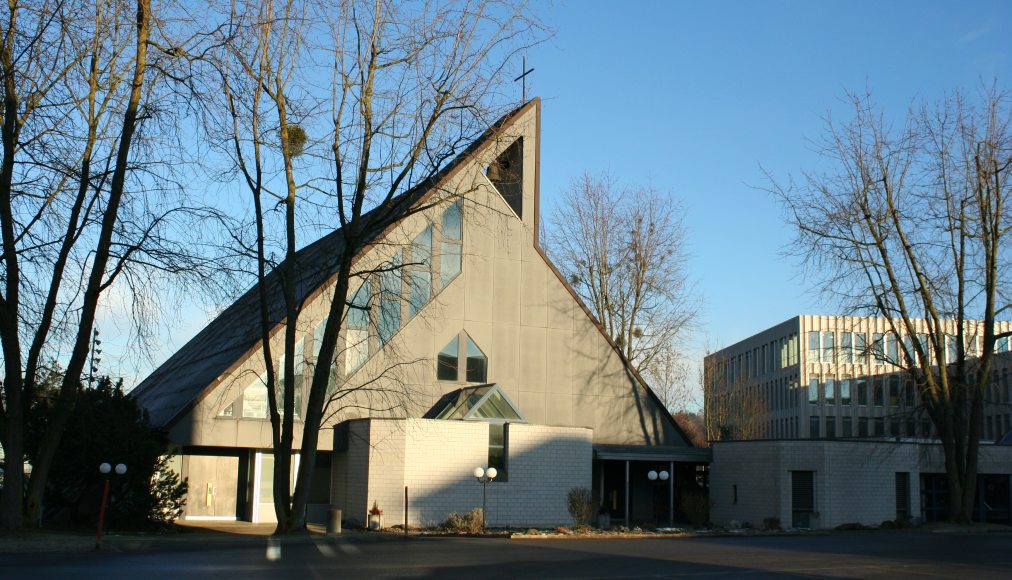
(854, 481)
(434, 459)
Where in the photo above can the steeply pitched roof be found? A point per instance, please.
(176, 386)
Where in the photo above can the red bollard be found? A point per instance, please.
(101, 516)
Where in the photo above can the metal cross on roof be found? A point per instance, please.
(523, 79)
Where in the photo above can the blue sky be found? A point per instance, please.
(696, 97)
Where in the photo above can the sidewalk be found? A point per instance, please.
(190, 535)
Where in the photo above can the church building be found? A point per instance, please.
(463, 347)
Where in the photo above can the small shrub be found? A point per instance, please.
(469, 523)
(771, 524)
(696, 506)
(532, 532)
(582, 529)
(580, 503)
(563, 530)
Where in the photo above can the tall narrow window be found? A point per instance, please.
(845, 391)
(813, 347)
(390, 301)
(861, 348)
(909, 352)
(894, 390)
(950, 349)
(828, 347)
(357, 335)
(447, 361)
(877, 348)
(318, 338)
(506, 174)
(498, 444)
(477, 363)
(862, 391)
(299, 370)
(902, 495)
(830, 391)
(892, 349)
(830, 427)
(451, 246)
(878, 391)
(846, 347)
(420, 272)
(813, 427)
(813, 390)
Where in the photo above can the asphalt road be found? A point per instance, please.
(840, 555)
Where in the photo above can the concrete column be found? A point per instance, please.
(671, 493)
(627, 494)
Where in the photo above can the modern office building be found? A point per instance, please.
(815, 377)
(813, 424)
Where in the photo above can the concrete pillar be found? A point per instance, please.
(334, 521)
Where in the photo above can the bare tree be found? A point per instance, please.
(910, 222)
(623, 250)
(81, 209)
(733, 410)
(409, 88)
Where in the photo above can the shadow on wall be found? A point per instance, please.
(639, 418)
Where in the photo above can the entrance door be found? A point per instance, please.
(802, 498)
(212, 487)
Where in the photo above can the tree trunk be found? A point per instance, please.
(96, 278)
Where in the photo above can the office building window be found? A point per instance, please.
(848, 427)
(813, 390)
(877, 348)
(828, 347)
(813, 427)
(862, 426)
(862, 391)
(892, 349)
(846, 347)
(860, 348)
(830, 427)
(879, 426)
(830, 392)
(894, 390)
(845, 391)
(814, 350)
(878, 394)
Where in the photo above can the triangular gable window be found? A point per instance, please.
(507, 175)
(482, 403)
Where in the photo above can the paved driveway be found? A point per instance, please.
(857, 555)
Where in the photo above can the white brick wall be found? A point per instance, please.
(855, 481)
(435, 459)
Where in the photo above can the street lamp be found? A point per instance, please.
(104, 469)
(653, 475)
(484, 477)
